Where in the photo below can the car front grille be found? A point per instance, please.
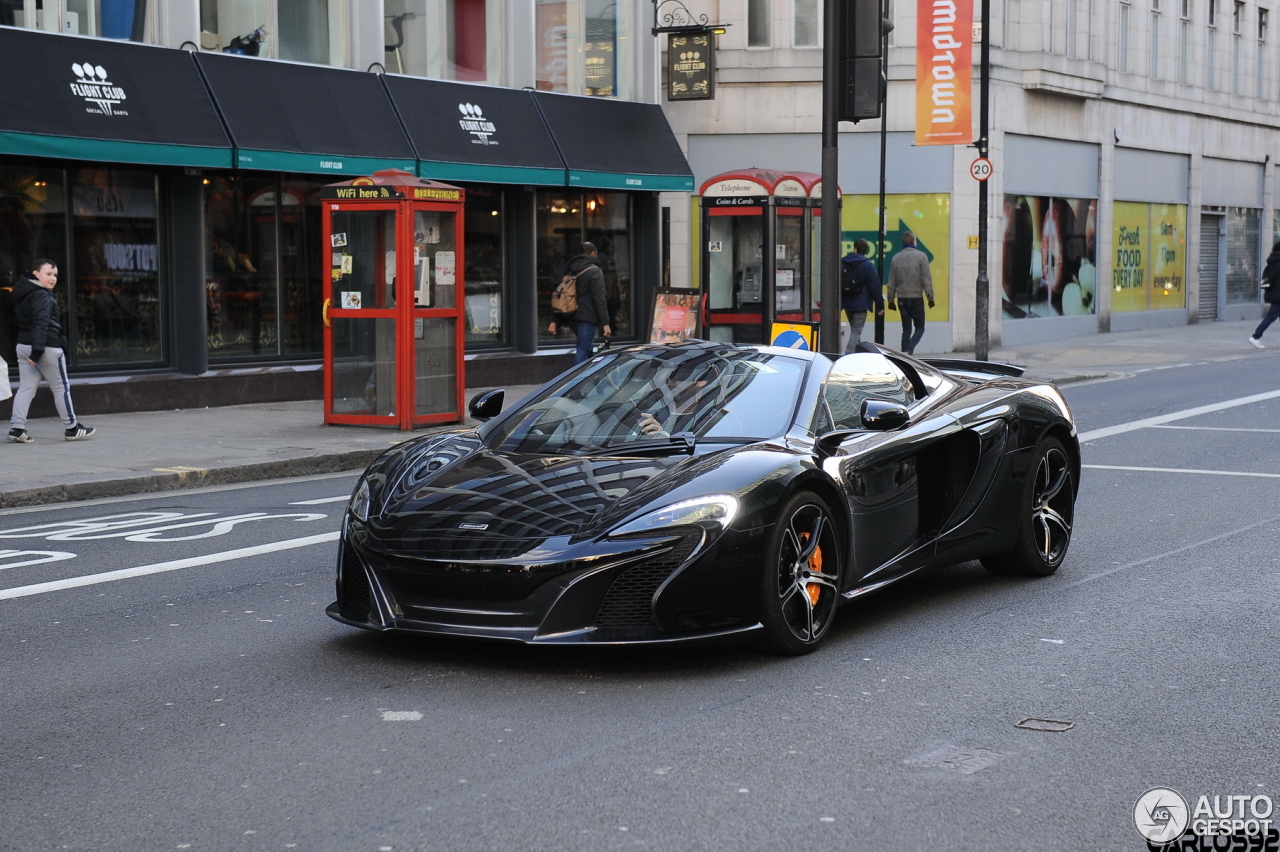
(356, 596)
(629, 601)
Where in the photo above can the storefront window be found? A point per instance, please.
(33, 221)
(565, 220)
(1242, 255)
(928, 216)
(262, 267)
(237, 26)
(115, 270)
(1050, 256)
(240, 266)
(132, 20)
(485, 274)
(445, 39)
(1149, 267)
(581, 47)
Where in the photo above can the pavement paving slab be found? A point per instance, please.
(153, 451)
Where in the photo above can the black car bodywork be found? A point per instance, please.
(456, 533)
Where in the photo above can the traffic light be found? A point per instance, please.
(862, 27)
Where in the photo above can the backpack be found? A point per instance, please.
(564, 299)
(851, 284)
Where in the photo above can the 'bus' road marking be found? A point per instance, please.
(161, 567)
(1147, 422)
(1182, 470)
(322, 501)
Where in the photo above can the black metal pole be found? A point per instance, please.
(981, 335)
(886, 27)
(829, 278)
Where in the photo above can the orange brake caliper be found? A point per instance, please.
(815, 565)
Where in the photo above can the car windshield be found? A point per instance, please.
(665, 396)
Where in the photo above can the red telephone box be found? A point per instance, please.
(393, 336)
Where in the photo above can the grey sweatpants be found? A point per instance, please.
(52, 367)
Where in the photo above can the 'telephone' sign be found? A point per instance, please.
(944, 72)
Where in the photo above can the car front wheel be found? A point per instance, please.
(802, 577)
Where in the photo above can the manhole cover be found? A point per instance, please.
(966, 761)
(1051, 725)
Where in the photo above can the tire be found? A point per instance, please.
(801, 577)
(1046, 512)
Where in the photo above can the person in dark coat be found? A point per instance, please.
(1270, 295)
(593, 308)
(859, 291)
(40, 352)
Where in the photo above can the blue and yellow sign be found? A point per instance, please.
(795, 335)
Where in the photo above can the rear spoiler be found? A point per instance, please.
(975, 369)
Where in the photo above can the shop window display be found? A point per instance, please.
(33, 220)
(564, 220)
(1242, 245)
(1050, 256)
(928, 216)
(1148, 269)
(485, 272)
(262, 276)
(132, 20)
(115, 266)
(576, 44)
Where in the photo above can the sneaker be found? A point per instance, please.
(20, 436)
(1257, 343)
(78, 432)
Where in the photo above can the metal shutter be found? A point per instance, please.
(1209, 226)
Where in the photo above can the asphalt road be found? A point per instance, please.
(205, 702)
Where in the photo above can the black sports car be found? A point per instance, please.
(708, 491)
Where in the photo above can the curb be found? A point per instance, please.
(177, 480)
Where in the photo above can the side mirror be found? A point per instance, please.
(881, 415)
(486, 406)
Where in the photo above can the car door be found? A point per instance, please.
(880, 471)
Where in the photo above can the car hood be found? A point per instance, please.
(457, 499)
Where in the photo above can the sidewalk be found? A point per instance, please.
(163, 450)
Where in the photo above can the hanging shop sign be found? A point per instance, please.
(691, 72)
(944, 72)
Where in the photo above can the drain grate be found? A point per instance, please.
(966, 761)
(1051, 725)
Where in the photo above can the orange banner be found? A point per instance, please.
(944, 72)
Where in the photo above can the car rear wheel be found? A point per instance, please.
(802, 577)
(1045, 515)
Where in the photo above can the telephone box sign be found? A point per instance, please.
(360, 192)
(944, 72)
(691, 72)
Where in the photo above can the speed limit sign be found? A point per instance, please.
(980, 168)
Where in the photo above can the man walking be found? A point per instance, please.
(592, 314)
(909, 284)
(859, 291)
(1270, 295)
(40, 352)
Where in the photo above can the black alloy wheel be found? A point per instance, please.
(1046, 513)
(802, 576)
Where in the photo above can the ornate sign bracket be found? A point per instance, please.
(672, 16)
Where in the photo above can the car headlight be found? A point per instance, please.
(717, 511)
(360, 500)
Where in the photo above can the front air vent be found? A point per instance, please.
(356, 596)
(629, 601)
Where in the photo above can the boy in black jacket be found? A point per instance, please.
(40, 352)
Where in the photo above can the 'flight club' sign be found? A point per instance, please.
(691, 67)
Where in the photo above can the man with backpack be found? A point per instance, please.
(40, 352)
(578, 301)
(859, 291)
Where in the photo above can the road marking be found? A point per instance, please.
(1148, 422)
(1182, 470)
(123, 526)
(162, 567)
(321, 501)
(40, 556)
(1215, 429)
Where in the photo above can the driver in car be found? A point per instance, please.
(684, 404)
